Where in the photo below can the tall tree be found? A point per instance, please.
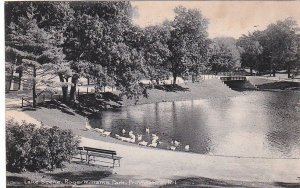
(251, 50)
(98, 44)
(156, 52)
(188, 42)
(29, 42)
(48, 18)
(224, 55)
(283, 38)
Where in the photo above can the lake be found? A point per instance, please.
(252, 124)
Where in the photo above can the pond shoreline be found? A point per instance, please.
(134, 156)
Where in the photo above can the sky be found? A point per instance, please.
(227, 18)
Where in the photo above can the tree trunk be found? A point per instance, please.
(73, 87)
(11, 76)
(289, 70)
(174, 79)
(20, 78)
(64, 88)
(274, 72)
(157, 81)
(33, 88)
(88, 80)
(251, 71)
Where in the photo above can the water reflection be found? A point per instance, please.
(256, 124)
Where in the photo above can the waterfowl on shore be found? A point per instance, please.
(153, 145)
(132, 140)
(143, 143)
(147, 130)
(87, 125)
(125, 139)
(99, 130)
(118, 136)
(123, 131)
(176, 143)
(140, 137)
(173, 148)
(106, 133)
(187, 148)
(131, 135)
(155, 137)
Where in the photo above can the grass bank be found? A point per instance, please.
(143, 163)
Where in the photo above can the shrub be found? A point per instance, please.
(32, 148)
(18, 138)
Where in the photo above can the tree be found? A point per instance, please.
(283, 40)
(251, 50)
(99, 45)
(28, 42)
(224, 55)
(188, 41)
(39, 25)
(156, 52)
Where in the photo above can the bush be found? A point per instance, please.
(32, 148)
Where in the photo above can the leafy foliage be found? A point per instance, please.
(32, 148)
(224, 55)
(188, 42)
(275, 48)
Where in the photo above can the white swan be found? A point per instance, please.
(187, 148)
(123, 131)
(154, 140)
(87, 125)
(147, 130)
(173, 148)
(176, 143)
(153, 145)
(143, 143)
(106, 133)
(99, 130)
(132, 140)
(125, 139)
(155, 137)
(140, 137)
(131, 135)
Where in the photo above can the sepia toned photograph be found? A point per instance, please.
(152, 94)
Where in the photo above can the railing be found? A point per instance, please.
(233, 78)
(25, 100)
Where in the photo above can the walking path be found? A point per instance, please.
(156, 164)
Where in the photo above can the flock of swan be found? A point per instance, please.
(139, 138)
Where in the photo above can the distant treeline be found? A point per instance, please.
(98, 41)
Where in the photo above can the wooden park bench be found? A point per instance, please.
(95, 152)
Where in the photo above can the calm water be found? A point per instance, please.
(253, 124)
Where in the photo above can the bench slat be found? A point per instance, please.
(104, 156)
(95, 152)
(100, 150)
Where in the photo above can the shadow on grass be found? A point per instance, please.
(16, 179)
(55, 104)
(80, 175)
(171, 88)
(290, 185)
(200, 182)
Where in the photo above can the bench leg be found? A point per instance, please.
(113, 163)
(81, 157)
